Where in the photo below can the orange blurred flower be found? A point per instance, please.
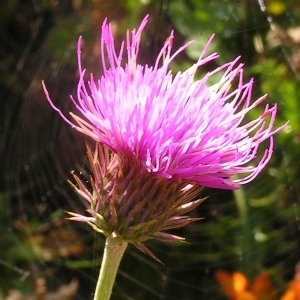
(293, 290)
(237, 287)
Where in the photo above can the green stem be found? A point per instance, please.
(247, 237)
(113, 253)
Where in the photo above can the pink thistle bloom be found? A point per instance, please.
(175, 126)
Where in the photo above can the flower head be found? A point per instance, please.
(173, 125)
(236, 286)
(293, 290)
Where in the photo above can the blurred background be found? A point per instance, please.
(253, 230)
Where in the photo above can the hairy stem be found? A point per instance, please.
(113, 253)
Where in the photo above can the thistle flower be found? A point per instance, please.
(160, 138)
(173, 125)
